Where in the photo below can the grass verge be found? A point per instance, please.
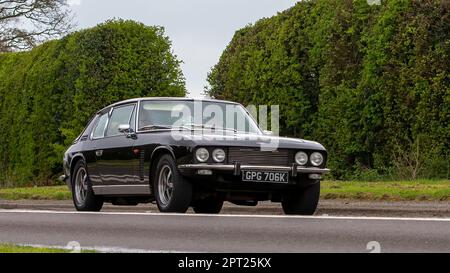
(418, 190)
(10, 248)
(36, 193)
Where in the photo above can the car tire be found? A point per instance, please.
(303, 201)
(173, 193)
(83, 196)
(208, 206)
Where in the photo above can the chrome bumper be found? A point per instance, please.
(237, 168)
(65, 179)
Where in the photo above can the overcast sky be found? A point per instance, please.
(199, 29)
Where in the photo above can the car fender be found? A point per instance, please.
(74, 159)
(162, 148)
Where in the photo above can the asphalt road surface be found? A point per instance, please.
(410, 209)
(126, 231)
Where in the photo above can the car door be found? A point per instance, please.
(116, 162)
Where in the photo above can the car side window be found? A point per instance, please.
(99, 130)
(119, 116)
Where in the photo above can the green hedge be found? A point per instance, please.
(48, 94)
(372, 83)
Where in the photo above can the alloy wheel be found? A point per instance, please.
(81, 180)
(165, 185)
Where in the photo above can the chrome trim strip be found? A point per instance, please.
(122, 190)
(250, 167)
(136, 117)
(164, 99)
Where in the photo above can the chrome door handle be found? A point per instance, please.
(99, 152)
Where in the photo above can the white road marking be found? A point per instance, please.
(226, 215)
(104, 249)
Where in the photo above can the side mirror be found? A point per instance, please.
(127, 130)
(124, 128)
(267, 132)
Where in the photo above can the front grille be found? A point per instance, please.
(254, 156)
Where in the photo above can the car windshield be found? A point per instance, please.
(189, 115)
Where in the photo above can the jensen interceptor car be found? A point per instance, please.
(182, 153)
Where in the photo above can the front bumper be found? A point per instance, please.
(236, 169)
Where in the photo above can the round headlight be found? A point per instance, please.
(316, 159)
(218, 155)
(301, 158)
(202, 155)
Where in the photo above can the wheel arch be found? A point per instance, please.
(77, 157)
(156, 154)
(160, 150)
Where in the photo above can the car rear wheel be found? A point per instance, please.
(302, 202)
(210, 205)
(83, 196)
(172, 192)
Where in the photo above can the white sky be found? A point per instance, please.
(199, 29)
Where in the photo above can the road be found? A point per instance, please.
(122, 231)
(337, 207)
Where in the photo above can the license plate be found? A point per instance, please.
(265, 176)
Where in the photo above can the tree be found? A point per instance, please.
(48, 94)
(367, 81)
(25, 23)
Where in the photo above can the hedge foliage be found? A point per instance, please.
(372, 83)
(48, 94)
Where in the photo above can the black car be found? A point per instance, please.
(183, 153)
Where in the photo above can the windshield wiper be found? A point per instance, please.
(154, 127)
(162, 127)
(203, 126)
(184, 127)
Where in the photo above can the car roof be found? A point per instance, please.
(166, 99)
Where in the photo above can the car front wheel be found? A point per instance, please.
(172, 192)
(83, 196)
(303, 201)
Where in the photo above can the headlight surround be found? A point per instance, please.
(202, 155)
(301, 158)
(316, 159)
(218, 155)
